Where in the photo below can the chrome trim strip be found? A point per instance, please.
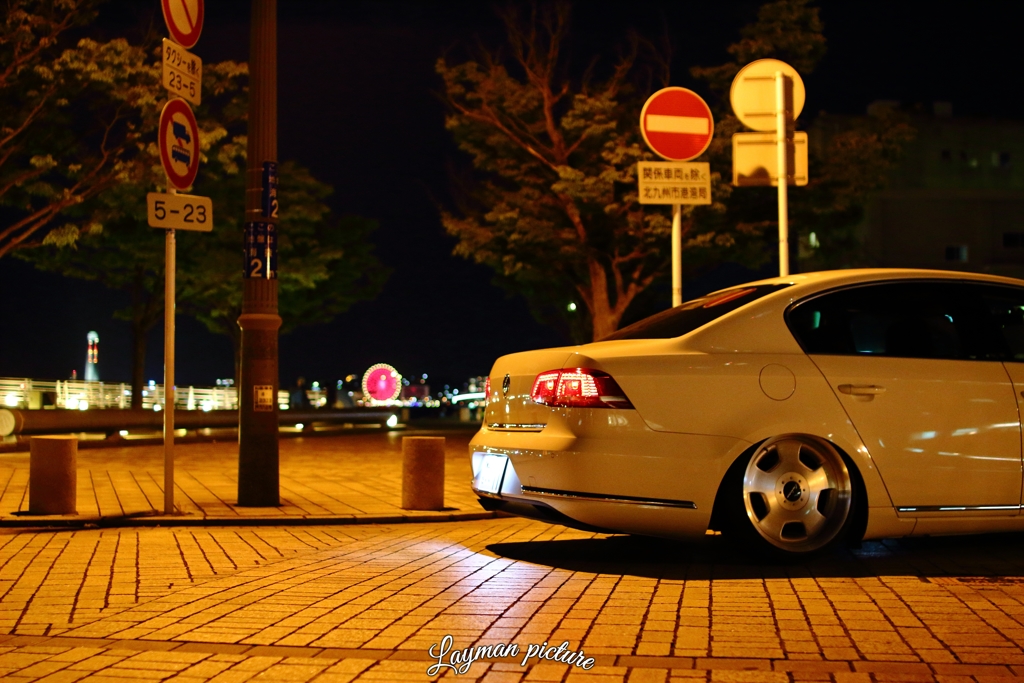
(513, 427)
(484, 494)
(956, 508)
(606, 498)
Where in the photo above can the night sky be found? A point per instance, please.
(359, 105)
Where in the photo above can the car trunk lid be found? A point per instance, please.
(509, 406)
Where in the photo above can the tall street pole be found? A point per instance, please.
(170, 266)
(783, 139)
(258, 477)
(677, 255)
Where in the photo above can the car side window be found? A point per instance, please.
(1005, 307)
(942, 320)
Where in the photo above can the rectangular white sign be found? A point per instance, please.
(755, 160)
(179, 211)
(183, 72)
(660, 123)
(674, 182)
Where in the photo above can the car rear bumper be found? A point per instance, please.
(629, 479)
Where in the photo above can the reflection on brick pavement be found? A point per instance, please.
(367, 603)
(347, 477)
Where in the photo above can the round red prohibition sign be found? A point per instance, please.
(179, 143)
(184, 19)
(677, 124)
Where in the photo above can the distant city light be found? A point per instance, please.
(156, 407)
(392, 421)
(572, 305)
(299, 425)
(470, 397)
(83, 404)
(11, 400)
(123, 432)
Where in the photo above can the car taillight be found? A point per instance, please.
(487, 389)
(578, 388)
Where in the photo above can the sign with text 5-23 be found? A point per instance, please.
(179, 211)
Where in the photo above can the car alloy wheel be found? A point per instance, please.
(797, 493)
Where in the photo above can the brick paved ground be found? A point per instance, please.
(367, 602)
(351, 477)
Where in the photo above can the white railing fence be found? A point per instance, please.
(34, 394)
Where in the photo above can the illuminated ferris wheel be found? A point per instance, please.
(382, 383)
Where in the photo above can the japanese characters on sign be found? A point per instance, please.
(669, 182)
(263, 398)
(260, 249)
(269, 204)
(182, 72)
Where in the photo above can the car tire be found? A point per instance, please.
(798, 496)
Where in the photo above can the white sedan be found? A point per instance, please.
(794, 412)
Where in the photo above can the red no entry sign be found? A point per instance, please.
(179, 143)
(184, 19)
(677, 124)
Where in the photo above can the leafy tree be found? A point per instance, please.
(325, 264)
(849, 157)
(106, 238)
(553, 208)
(852, 159)
(70, 119)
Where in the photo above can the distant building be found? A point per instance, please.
(956, 201)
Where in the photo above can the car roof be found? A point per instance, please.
(808, 283)
(731, 333)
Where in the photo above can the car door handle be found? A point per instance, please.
(861, 389)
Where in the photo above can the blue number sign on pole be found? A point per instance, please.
(269, 203)
(260, 251)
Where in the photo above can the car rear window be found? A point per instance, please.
(688, 316)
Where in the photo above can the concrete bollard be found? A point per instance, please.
(53, 475)
(422, 472)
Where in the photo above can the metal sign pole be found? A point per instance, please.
(170, 265)
(783, 170)
(677, 255)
